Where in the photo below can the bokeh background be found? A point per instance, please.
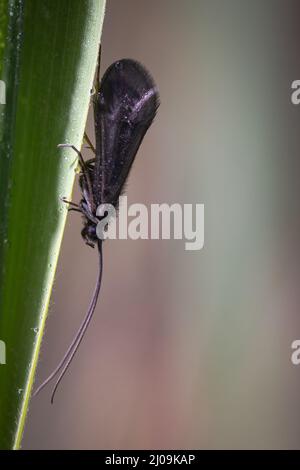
(192, 349)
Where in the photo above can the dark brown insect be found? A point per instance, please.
(125, 104)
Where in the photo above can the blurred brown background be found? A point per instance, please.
(192, 349)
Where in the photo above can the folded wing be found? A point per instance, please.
(124, 108)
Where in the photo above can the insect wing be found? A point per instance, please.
(124, 109)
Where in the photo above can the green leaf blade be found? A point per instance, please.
(47, 104)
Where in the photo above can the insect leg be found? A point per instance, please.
(63, 199)
(82, 165)
(88, 243)
(80, 157)
(74, 209)
(88, 141)
(91, 160)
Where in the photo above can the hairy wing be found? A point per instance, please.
(124, 109)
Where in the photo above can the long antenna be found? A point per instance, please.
(70, 353)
